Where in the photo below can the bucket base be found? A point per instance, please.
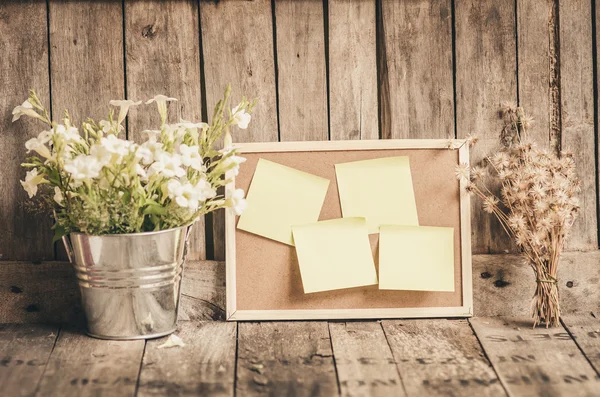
(135, 337)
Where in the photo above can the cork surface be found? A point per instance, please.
(267, 272)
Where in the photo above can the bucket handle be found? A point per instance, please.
(69, 248)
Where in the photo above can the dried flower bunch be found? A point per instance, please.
(537, 206)
(97, 183)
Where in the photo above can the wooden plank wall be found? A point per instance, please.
(336, 69)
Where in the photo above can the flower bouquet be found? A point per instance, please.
(124, 209)
(537, 206)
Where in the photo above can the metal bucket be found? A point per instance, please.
(129, 283)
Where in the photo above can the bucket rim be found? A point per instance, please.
(140, 234)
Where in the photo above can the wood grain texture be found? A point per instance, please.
(535, 361)
(363, 360)
(503, 285)
(485, 77)
(285, 358)
(86, 58)
(538, 69)
(84, 366)
(418, 57)
(47, 292)
(24, 353)
(302, 80)
(23, 66)
(440, 358)
(577, 100)
(248, 64)
(86, 62)
(585, 330)
(353, 102)
(163, 57)
(205, 366)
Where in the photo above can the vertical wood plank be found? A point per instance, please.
(23, 65)
(352, 70)
(485, 77)
(535, 361)
(585, 329)
(240, 53)
(302, 82)
(24, 353)
(86, 61)
(86, 57)
(417, 36)
(84, 366)
(363, 360)
(577, 100)
(285, 358)
(205, 366)
(440, 358)
(538, 68)
(163, 57)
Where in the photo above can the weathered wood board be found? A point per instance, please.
(353, 102)
(363, 360)
(301, 71)
(248, 64)
(168, 32)
(23, 66)
(205, 366)
(503, 285)
(535, 361)
(485, 77)
(285, 358)
(84, 366)
(24, 353)
(585, 330)
(440, 358)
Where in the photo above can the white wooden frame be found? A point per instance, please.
(466, 310)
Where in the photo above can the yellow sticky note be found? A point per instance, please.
(416, 258)
(380, 190)
(280, 197)
(334, 254)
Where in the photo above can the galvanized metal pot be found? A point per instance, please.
(129, 283)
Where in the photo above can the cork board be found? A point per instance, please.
(263, 276)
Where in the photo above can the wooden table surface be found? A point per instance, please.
(483, 356)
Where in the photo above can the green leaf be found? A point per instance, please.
(59, 232)
(154, 209)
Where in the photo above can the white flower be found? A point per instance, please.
(24, 109)
(58, 196)
(141, 172)
(39, 144)
(161, 103)
(232, 160)
(83, 167)
(124, 106)
(190, 157)
(101, 154)
(205, 190)
(105, 125)
(173, 341)
(155, 149)
(144, 154)
(115, 145)
(168, 165)
(70, 134)
(152, 135)
(238, 202)
(240, 117)
(184, 194)
(31, 182)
